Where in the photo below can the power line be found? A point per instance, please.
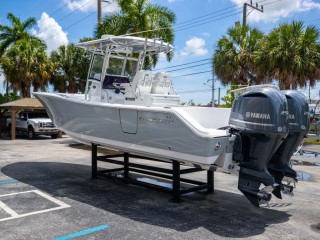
(183, 27)
(194, 22)
(202, 90)
(80, 20)
(51, 14)
(192, 91)
(206, 59)
(313, 20)
(221, 10)
(63, 18)
(190, 74)
(183, 23)
(77, 9)
(208, 21)
(37, 6)
(272, 2)
(180, 28)
(179, 69)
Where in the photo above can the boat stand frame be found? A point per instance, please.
(173, 174)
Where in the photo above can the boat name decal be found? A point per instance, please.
(156, 120)
(258, 115)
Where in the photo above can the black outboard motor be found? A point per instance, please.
(298, 127)
(259, 119)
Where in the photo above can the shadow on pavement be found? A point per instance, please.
(223, 213)
(25, 137)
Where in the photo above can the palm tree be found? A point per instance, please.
(17, 31)
(25, 65)
(233, 60)
(143, 18)
(291, 54)
(12, 33)
(70, 66)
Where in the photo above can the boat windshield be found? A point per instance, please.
(96, 67)
(119, 71)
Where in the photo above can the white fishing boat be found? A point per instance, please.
(138, 111)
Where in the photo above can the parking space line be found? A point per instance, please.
(56, 201)
(8, 210)
(82, 233)
(14, 215)
(8, 181)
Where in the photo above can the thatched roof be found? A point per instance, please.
(25, 103)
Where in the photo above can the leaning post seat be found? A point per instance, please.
(161, 84)
(141, 84)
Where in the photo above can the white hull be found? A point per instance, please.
(161, 132)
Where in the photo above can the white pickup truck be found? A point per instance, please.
(34, 123)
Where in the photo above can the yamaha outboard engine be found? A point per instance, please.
(298, 127)
(259, 120)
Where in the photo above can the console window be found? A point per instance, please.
(96, 68)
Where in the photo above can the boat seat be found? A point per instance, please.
(94, 91)
(161, 84)
(140, 85)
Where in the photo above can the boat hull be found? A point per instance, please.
(156, 132)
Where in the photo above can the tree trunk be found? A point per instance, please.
(7, 91)
(28, 94)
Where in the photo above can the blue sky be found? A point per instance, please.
(200, 23)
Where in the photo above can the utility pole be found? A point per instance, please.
(245, 5)
(100, 10)
(309, 93)
(212, 105)
(212, 89)
(219, 97)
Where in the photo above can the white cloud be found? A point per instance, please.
(90, 5)
(50, 32)
(273, 11)
(195, 46)
(205, 34)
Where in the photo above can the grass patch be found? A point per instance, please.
(311, 141)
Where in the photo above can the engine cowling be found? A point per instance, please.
(298, 127)
(259, 119)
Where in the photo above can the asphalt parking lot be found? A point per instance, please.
(46, 192)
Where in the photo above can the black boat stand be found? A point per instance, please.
(159, 172)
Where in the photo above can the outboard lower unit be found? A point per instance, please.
(298, 127)
(259, 120)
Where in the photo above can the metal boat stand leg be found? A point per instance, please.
(210, 181)
(173, 174)
(94, 161)
(176, 181)
(126, 165)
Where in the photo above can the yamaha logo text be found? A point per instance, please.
(258, 115)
